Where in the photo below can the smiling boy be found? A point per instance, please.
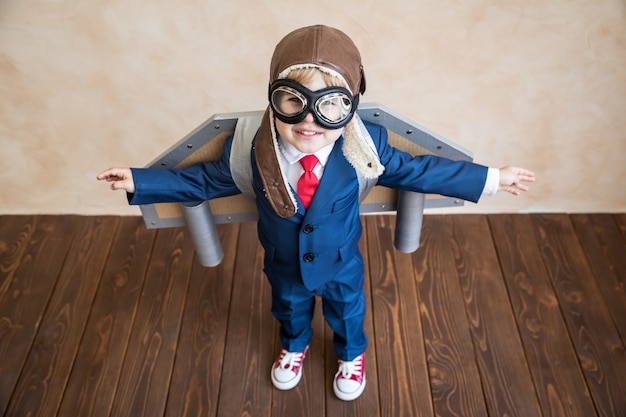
(306, 159)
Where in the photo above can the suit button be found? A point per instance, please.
(308, 257)
(308, 229)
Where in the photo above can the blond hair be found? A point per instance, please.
(304, 76)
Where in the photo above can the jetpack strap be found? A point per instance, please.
(240, 163)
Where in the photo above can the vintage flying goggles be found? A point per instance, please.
(331, 107)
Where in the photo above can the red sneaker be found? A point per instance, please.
(350, 379)
(287, 370)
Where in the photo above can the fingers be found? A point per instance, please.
(524, 175)
(514, 188)
(111, 174)
(512, 179)
(117, 185)
(120, 179)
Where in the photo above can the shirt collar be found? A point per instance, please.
(292, 155)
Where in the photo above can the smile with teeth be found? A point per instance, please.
(308, 132)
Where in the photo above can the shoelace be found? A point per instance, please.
(348, 369)
(290, 360)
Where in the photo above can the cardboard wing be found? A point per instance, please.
(205, 143)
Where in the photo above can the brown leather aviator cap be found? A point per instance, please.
(318, 46)
(321, 46)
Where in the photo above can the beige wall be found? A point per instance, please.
(89, 84)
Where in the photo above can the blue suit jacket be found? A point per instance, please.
(319, 244)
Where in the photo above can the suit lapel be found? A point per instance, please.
(338, 174)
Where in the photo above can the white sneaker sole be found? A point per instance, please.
(287, 385)
(349, 396)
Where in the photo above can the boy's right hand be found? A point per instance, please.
(120, 179)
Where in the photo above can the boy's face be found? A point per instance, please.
(307, 136)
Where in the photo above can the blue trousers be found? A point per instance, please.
(343, 305)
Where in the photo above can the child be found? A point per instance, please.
(305, 159)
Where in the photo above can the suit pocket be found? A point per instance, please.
(343, 204)
(350, 255)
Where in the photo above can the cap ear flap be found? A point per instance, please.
(362, 85)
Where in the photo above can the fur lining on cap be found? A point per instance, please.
(359, 151)
(285, 73)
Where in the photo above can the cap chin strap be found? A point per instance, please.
(275, 184)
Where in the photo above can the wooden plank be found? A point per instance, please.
(35, 276)
(506, 380)
(601, 239)
(199, 358)
(147, 368)
(246, 388)
(454, 376)
(620, 219)
(599, 347)
(400, 353)
(560, 271)
(368, 404)
(552, 360)
(15, 234)
(91, 387)
(45, 374)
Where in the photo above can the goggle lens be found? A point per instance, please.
(288, 101)
(331, 107)
(334, 107)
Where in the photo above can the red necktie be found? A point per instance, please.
(308, 182)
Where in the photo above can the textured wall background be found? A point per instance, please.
(89, 84)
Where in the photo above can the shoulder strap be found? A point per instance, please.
(240, 164)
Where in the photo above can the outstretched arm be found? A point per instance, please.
(511, 179)
(120, 179)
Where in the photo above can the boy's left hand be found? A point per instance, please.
(511, 179)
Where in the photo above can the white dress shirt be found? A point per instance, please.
(290, 161)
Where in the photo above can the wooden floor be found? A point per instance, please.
(497, 315)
